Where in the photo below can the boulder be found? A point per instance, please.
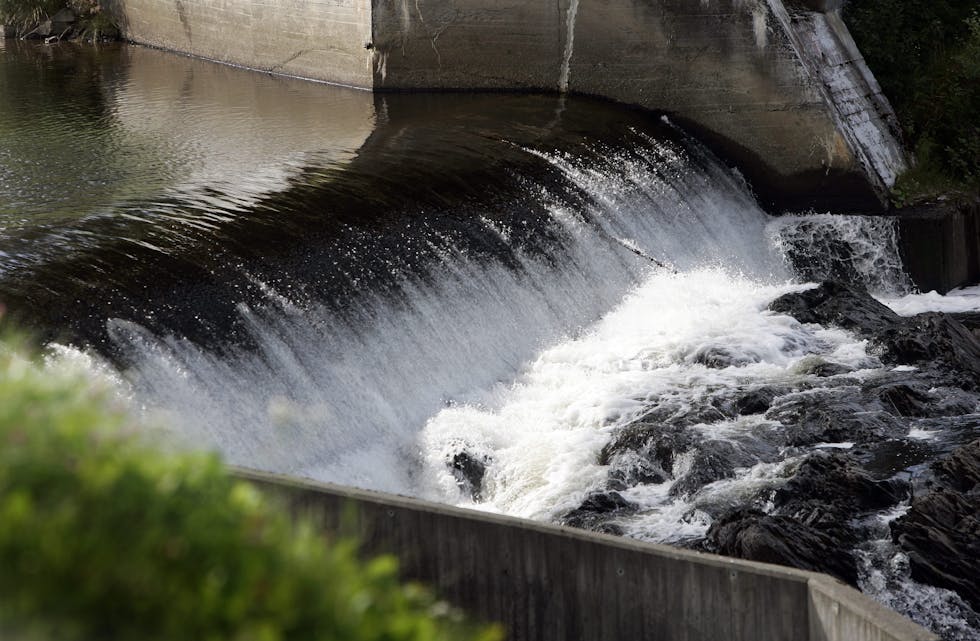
(597, 510)
(831, 484)
(933, 341)
(659, 444)
(712, 461)
(904, 399)
(751, 534)
(833, 415)
(469, 470)
(756, 401)
(834, 303)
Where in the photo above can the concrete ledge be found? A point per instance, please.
(551, 583)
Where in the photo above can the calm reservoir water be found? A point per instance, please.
(361, 288)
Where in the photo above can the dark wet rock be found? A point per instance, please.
(631, 470)
(904, 399)
(833, 303)
(809, 526)
(720, 357)
(932, 340)
(826, 369)
(597, 509)
(941, 530)
(970, 320)
(655, 443)
(919, 394)
(832, 487)
(936, 341)
(954, 402)
(469, 471)
(756, 401)
(833, 416)
(711, 461)
(941, 535)
(895, 457)
(754, 535)
(676, 414)
(960, 470)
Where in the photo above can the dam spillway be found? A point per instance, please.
(464, 298)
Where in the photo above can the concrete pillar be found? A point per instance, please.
(940, 245)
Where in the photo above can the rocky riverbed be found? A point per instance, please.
(847, 447)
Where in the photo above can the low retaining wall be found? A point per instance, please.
(779, 87)
(549, 583)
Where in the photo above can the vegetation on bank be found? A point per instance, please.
(105, 537)
(926, 56)
(34, 17)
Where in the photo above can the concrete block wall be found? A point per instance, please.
(548, 583)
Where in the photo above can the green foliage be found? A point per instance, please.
(926, 55)
(103, 537)
(25, 15)
(93, 22)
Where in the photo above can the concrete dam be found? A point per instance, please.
(778, 87)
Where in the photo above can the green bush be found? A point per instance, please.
(926, 55)
(105, 537)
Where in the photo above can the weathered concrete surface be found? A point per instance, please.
(784, 92)
(940, 245)
(315, 39)
(781, 90)
(551, 583)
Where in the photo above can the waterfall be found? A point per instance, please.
(343, 395)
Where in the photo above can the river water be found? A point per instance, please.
(362, 289)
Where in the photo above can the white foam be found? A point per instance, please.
(543, 432)
(959, 300)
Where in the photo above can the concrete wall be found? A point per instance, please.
(940, 245)
(316, 39)
(782, 90)
(551, 583)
